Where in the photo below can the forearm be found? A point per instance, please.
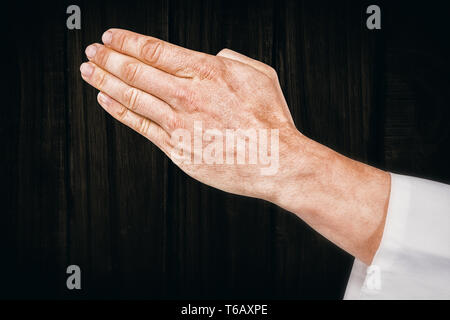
(344, 200)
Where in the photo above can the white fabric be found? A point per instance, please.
(413, 260)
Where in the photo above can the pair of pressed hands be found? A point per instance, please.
(155, 87)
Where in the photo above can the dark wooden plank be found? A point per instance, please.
(9, 131)
(248, 28)
(233, 261)
(41, 212)
(125, 176)
(196, 260)
(416, 132)
(89, 197)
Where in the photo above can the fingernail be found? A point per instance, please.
(90, 51)
(103, 98)
(86, 69)
(107, 37)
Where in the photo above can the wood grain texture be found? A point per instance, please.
(80, 188)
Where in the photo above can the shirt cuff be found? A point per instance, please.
(413, 259)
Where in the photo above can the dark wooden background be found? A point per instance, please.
(79, 188)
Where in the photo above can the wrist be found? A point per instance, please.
(344, 200)
(303, 168)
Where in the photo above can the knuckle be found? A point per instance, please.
(165, 141)
(102, 56)
(271, 72)
(122, 113)
(100, 80)
(151, 51)
(185, 97)
(173, 122)
(121, 40)
(211, 69)
(131, 97)
(131, 71)
(143, 124)
(224, 51)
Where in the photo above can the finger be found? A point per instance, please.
(134, 99)
(163, 55)
(258, 65)
(136, 73)
(140, 124)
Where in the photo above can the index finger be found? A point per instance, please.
(160, 54)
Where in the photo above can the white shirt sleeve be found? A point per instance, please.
(413, 259)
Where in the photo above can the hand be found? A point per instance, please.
(173, 96)
(162, 90)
